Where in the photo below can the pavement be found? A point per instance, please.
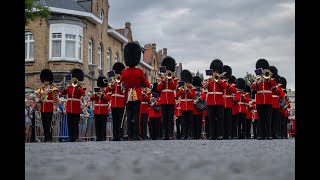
(162, 159)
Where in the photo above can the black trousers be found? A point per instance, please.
(167, 111)
(178, 126)
(161, 129)
(255, 129)
(73, 126)
(187, 118)
(46, 123)
(284, 127)
(241, 125)
(196, 126)
(143, 125)
(100, 122)
(117, 114)
(33, 131)
(149, 128)
(133, 111)
(215, 113)
(264, 122)
(248, 128)
(234, 126)
(275, 128)
(227, 122)
(155, 128)
(206, 125)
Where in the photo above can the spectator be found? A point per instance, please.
(28, 116)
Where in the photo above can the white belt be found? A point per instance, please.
(73, 99)
(101, 104)
(118, 95)
(167, 90)
(214, 92)
(178, 108)
(242, 103)
(186, 99)
(144, 102)
(228, 96)
(48, 101)
(255, 111)
(264, 91)
(275, 96)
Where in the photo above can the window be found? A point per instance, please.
(66, 42)
(99, 58)
(29, 47)
(108, 59)
(116, 58)
(90, 52)
(101, 15)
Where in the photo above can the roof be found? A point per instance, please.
(121, 31)
(147, 55)
(65, 4)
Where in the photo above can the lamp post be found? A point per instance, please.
(91, 72)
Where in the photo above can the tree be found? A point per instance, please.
(33, 10)
(249, 78)
(199, 74)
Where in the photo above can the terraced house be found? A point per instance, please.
(77, 35)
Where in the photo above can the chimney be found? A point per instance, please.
(128, 25)
(154, 46)
(165, 51)
(160, 51)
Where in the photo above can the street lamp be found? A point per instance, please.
(91, 72)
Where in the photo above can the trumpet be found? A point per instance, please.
(73, 82)
(216, 77)
(168, 74)
(266, 74)
(117, 78)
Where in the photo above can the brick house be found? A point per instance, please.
(77, 35)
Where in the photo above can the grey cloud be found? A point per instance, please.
(195, 32)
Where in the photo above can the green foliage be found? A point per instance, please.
(33, 11)
(249, 78)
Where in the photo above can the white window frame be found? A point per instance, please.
(116, 58)
(71, 38)
(28, 41)
(99, 57)
(101, 15)
(66, 29)
(108, 63)
(90, 51)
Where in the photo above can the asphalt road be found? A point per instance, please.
(155, 160)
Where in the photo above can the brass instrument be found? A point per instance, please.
(117, 78)
(216, 77)
(168, 74)
(73, 82)
(44, 93)
(266, 74)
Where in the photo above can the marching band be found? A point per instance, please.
(227, 107)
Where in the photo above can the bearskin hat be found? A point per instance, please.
(253, 94)
(100, 82)
(262, 63)
(247, 89)
(132, 54)
(78, 73)
(154, 88)
(197, 81)
(118, 67)
(232, 79)
(170, 63)
(283, 81)
(274, 71)
(217, 65)
(46, 75)
(186, 76)
(240, 83)
(228, 71)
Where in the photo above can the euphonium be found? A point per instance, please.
(266, 74)
(168, 74)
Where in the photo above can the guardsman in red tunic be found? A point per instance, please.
(101, 103)
(178, 114)
(255, 116)
(234, 128)
(117, 101)
(277, 94)
(74, 91)
(284, 106)
(215, 101)
(154, 113)
(133, 79)
(242, 99)
(263, 84)
(249, 108)
(197, 110)
(167, 86)
(186, 94)
(48, 96)
(144, 111)
(227, 122)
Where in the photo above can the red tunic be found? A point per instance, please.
(51, 101)
(117, 96)
(186, 98)
(167, 91)
(228, 95)
(214, 96)
(241, 101)
(264, 91)
(73, 101)
(277, 93)
(100, 104)
(144, 106)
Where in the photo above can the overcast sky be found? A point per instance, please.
(239, 32)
